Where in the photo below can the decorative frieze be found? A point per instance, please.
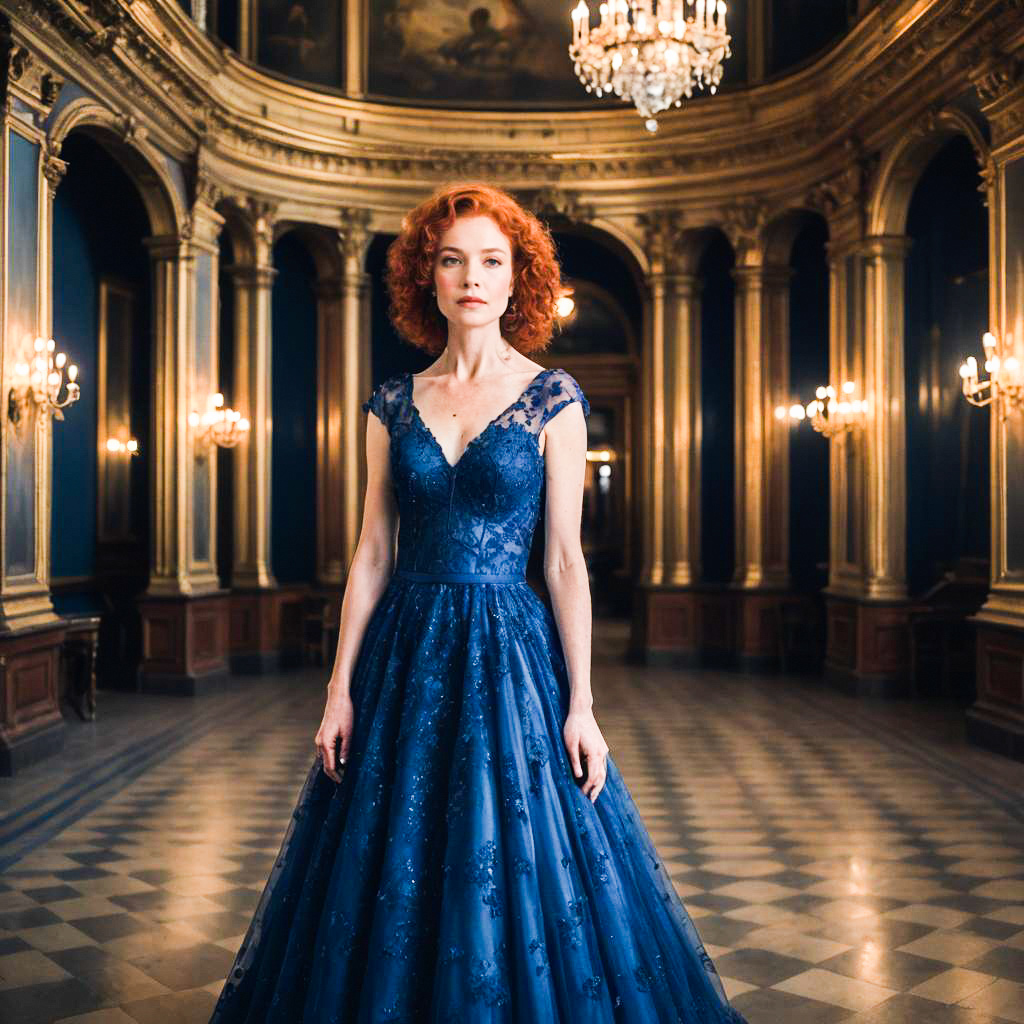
(145, 49)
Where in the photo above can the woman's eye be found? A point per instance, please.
(491, 259)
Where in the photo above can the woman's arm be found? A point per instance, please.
(368, 576)
(565, 571)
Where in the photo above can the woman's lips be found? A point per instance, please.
(472, 302)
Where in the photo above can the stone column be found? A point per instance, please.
(355, 373)
(885, 428)
(762, 457)
(667, 623)
(846, 318)
(868, 646)
(184, 612)
(343, 360)
(762, 451)
(654, 400)
(683, 436)
(253, 285)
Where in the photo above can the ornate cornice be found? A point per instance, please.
(194, 94)
(551, 202)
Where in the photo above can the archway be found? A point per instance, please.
(102, 301)
(948, 495)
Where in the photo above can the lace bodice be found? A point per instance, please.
(478, 515)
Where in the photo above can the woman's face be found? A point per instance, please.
(474, 261)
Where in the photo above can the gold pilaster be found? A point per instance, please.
(662, 238)
(172, 479)
(846, 451)
(885, 428)
(655, 403)
(203, 381)
(343, 380)
(762, 453)
(25, 454)
(355, 371)
(330, 484)
(253, 286)
(682, 492)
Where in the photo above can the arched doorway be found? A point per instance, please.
(102, 315)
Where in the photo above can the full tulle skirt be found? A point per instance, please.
(458, 873)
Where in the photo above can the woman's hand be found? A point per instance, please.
(583, 741)
(336, 724)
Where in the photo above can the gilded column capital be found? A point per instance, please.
(842, 197)
(167, 248)
(354, 235)
(54, 170)
(743, 224)
(259, 276)
(764, 276)
(551, 201)
(262, 218)
(203, 227)
(203, 184)
(683, 286)
(885, 247)
(662, 241)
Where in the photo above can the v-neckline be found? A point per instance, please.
(487, 426)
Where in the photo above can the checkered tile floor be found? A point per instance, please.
(844, 861)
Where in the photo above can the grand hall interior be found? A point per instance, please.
(795, 304)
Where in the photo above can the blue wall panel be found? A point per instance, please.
(22, 324)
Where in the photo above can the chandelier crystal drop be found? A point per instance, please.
(650, 52)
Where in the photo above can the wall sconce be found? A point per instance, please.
(41, 383)
(118, 447)
(224, 427)
(830, 414)
(1004, 377)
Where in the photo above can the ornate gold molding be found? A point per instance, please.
(153, 50)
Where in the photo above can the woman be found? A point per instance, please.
(479, 859)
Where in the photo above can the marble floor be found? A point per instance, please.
(844, 860)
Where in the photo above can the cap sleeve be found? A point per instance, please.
(562, 389)
(382, 401)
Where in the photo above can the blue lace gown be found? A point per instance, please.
(458, 873)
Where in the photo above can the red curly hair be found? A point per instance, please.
(536, 276)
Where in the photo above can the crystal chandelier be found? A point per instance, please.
(652, 52)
